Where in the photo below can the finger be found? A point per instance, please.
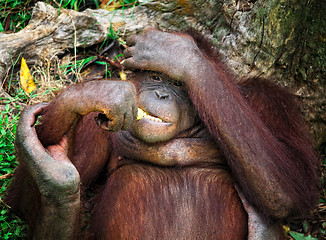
(129, 52)
(132, 40)
(38, 108)
(116, 124)
(30, 114)
(64, 143)
(134, 112)
(131, 64)
(243, 199)
(58, 153)
(128, 120)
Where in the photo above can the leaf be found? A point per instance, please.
(286, 229)
(26, 79)
(123, 75)
(300, 236)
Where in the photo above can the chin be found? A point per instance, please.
(150, 131)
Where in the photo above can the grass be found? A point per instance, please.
(11, 227)
(14, 14)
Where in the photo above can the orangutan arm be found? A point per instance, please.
(277, 178)
(116, 99)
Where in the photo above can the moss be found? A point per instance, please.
(294, 35)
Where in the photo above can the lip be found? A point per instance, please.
(149, 121)
(150, 131)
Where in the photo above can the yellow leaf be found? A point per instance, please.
(123, 75)
(26, 79)
(286, 229)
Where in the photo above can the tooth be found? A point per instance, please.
(140, 114)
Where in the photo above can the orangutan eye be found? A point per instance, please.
(177, 83)
(156, 78)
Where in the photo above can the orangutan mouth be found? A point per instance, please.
(143, 114)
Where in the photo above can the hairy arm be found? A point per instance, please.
(52, 176)
(73, 114)
(57, 205)
(268, 171)
(115, 99)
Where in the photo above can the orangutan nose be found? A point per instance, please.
(162, 94)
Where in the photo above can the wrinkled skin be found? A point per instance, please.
(56, 178)
(169, 103)
(144, 54)
(175, 135)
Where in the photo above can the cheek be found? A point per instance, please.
(188, 116)
(165, 109)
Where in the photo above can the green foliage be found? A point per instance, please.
(107, 72)
(74, 4)
(15, 14)
(300, 236)
(11, 227)
(8, 122)
(76, 66)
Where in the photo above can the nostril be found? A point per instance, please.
(162, 95)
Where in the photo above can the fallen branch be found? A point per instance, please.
(6, 176)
